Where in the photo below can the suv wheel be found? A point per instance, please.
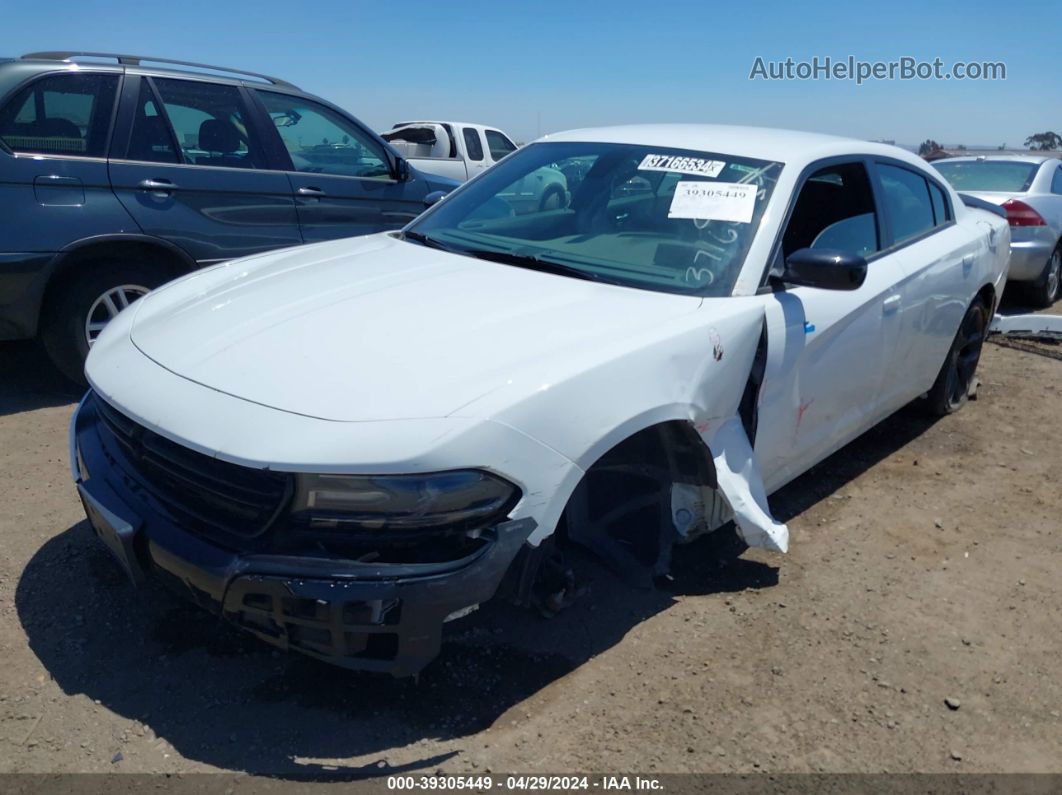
(87, 303)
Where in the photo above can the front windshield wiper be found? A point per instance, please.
(431, 242)
(529, 261)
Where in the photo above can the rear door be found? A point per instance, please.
(192, 169)
(937, 256)
(475, 151)
(53, 169)
(342, 176)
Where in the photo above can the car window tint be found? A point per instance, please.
(67, 114)
(906, 196)
(209, 121)
(475, 148)
(941, 215)
(321, 141)
(499, 145)
(835, 209)
(151, 138)
(1056, 181)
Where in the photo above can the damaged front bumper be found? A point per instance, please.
(385, 617)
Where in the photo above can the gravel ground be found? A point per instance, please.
(914, 626)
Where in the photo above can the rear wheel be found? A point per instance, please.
(1045, 290)
(88, 301)
(954, 383)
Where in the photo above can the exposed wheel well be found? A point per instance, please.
(111, 251)
(622, 508)
(988, 295)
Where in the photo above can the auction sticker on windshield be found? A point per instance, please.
(696, 166)
(714, 201)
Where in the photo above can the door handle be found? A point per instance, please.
(890, 304)
(310, 191)
(157, 185)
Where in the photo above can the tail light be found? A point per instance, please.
(1021, 214)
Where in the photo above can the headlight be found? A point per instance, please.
(462, 499)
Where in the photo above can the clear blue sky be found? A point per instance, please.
(547, 65)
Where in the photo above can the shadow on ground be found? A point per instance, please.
(28, 380)
(229, 701)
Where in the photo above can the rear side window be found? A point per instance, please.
(499, 145)
(65, 114)
(210, 123)
(151, 138)
(475, 148)
(1056, 181)
(941, 214)
(907, 201)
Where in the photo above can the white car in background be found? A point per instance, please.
(461, 150)
(342, 446)
(1029, 189)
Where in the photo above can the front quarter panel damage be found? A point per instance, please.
(742, 486)
(694, 371)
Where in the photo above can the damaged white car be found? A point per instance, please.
(340, 447)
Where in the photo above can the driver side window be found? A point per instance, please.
(835, 209)
(321, 141)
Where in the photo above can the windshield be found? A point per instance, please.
(662, 219)
(989, 175)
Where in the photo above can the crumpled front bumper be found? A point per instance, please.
(362, 616)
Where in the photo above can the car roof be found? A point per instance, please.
(477, 125)
(765, 143)
(998, 158)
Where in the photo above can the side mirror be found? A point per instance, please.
(433, 197)
(402, 170)
(825, 268)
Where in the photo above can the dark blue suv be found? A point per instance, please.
(116, 177)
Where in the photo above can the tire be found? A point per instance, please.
(1045, 290)
(66, 330)
(951, 390)
(552, 199)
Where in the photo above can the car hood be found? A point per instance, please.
(379, 328)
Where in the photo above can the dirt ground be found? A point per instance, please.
(924, 568)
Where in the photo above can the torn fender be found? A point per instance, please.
(741, 484)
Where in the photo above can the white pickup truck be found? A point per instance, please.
(461, 150)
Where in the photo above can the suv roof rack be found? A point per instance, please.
(135, 60)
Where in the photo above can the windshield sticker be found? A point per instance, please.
(695, 166)
(714, 201)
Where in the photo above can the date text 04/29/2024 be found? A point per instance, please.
(539, 783)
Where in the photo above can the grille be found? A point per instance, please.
(213, 498)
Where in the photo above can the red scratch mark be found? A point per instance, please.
(702, 427)
(803, 408)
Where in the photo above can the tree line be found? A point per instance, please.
(1037, 142)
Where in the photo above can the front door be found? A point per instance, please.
(341, 175)
(193, 171)
(827, 351)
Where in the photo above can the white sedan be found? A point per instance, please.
(339, 447)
